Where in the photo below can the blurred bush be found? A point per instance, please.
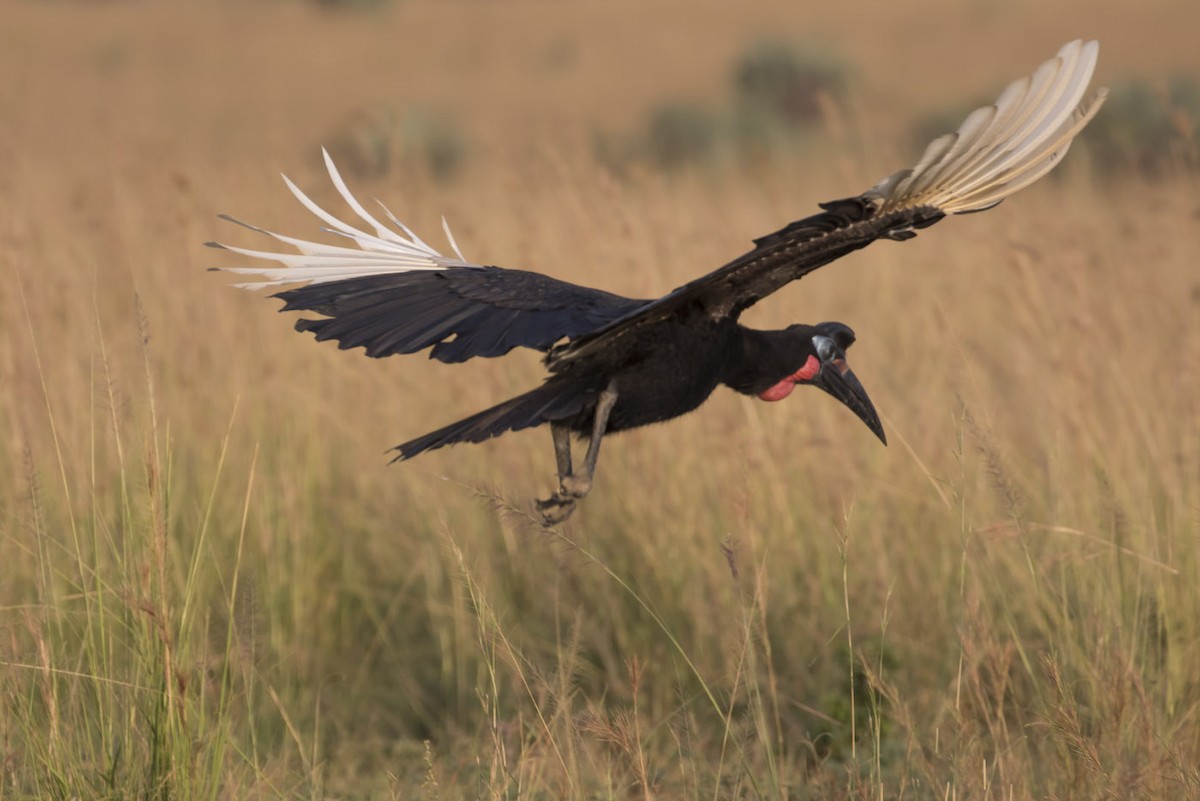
(434, 141)
(1152, 130)
(792, 83)
(781, 90)
(681, 134)
(373, 143)
(676, 135)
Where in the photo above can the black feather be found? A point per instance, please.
(553, 400)
(461, 312)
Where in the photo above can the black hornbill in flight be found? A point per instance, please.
(617, 363)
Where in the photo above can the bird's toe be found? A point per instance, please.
(555, 509)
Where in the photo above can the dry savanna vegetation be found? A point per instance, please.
(212, 586)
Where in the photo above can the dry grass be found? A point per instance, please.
(213, 587)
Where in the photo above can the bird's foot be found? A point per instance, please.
(559, 506)
(555, 509)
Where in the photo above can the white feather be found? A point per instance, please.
(450, 237)
(378, 252)
(1002, 148)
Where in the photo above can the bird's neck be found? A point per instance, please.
(761, 362)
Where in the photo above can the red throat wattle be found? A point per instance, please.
(784, 388)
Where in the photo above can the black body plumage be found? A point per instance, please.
(669, 373)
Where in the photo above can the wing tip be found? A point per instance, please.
(986, 161)
(381, 251)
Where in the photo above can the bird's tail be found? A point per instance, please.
(553, 400)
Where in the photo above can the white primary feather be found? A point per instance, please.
(377, 253)
(1002, 148)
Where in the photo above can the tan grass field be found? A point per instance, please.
(213, 586)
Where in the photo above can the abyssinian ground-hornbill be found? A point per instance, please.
(616, 363)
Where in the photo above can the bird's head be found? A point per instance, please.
(820, 352)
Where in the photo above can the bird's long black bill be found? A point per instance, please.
(842, 384)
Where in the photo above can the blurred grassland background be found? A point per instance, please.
(212, 585)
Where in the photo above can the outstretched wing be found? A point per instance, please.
(998, 150)
(393, 293)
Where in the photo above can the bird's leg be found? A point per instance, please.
(559, 506)
(579, 486)
(571, 487)
(562, 449)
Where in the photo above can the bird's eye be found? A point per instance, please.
(826, 347)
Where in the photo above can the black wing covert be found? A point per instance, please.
(460, 312)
